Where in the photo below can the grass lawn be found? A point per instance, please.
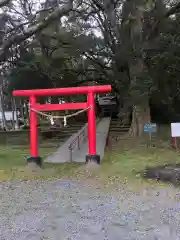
(13, 163)
(125, 165)
(130, 158)
(119, 166)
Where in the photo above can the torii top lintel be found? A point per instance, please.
(63, 91)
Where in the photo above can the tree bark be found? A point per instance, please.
(21, 107)
(26, 113)
(138, 90)
(3, 123)
(140, 117)
(13, 114)
(16, 114)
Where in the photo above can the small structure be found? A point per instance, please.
(35, 107)
(175, 133)
(109, 105)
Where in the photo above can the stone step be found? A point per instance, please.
(118, 130)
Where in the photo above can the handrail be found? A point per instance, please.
(72, 145)
(83, 133)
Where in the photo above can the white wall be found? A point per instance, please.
(8, 115)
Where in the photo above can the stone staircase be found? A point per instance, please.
(59, 136)
(117, 131)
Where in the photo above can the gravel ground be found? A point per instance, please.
(68, 210)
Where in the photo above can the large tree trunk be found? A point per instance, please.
(140, 116)
(138, 88)
(140, 98)
(125, 112)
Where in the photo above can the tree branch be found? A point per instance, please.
(173, 10)
(95, 60)
(4, 3)
(16, 39)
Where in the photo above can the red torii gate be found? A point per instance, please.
(35, 106)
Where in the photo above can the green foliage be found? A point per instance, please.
(27, 74)
(164, 65)
(56, 61)
(72, 54)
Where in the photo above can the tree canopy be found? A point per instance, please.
(133, 45)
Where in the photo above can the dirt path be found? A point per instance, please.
(58, 210)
